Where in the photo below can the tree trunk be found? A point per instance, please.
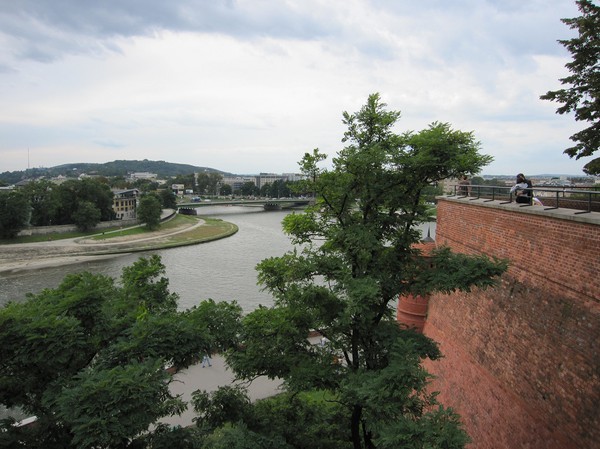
(355, 426)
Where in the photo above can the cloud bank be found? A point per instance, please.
(249, 86)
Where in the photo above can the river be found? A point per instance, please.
(221, 270)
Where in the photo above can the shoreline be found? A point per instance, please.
(32, 256)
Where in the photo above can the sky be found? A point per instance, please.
(249, 86)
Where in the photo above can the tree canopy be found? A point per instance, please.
(149, 210)
(582, 96)
(355, 255)
(15, 213)
(88, 358)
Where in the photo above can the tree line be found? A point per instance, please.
(84, 202)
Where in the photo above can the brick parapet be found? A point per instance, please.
(521, 361)
(556, 250)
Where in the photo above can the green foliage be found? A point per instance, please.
(44, 202)
(86, 216)
(105, 408)
(249, 189)
(14, 213)
(83, 202)
(356, 257)
(115, 168)
(314, 420)
(226, 189)
(277, 189)
(168, 199)
(582, 97)
(207, 183)
(143, 287)
(229, 419)
(166, 437)
(149, 211)
(226, 404)
(240, 437)
(87, 358)
(221, 321)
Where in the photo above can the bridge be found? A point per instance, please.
(266, 203)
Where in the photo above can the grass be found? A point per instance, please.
(211, 229)
(178, 221)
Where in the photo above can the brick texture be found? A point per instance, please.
(521, 361)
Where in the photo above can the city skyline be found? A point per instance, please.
(249, 86)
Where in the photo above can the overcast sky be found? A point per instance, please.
(248, 86)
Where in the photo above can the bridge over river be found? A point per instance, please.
(266, 203)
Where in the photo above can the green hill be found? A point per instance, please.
(115, 168)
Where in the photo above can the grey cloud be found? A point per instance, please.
(485, 30)
(44, 30)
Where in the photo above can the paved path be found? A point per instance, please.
(24, 256)
(209, 379)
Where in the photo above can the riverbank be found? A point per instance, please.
(189, 230)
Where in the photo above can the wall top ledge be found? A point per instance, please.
(592, 218)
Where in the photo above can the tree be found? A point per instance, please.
(226, 190)
(207, 183)
(249, 189)
(87, 359)
(356, 257)
(86, 216)
(70, 193)
(265, 190)
(14, 213)
(583, 95)
(149, 211)
(44, 202)
(168, 199)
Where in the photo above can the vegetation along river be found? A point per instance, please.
(222, 270)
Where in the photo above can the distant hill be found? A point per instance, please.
(116, 168)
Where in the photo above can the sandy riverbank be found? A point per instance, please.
(30, 256)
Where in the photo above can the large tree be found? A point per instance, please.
(44, 202)
(88, 358)
(15, 211)
(582, 96)
(356, 255)
(86, 216)
(70, 193)
(149, 210)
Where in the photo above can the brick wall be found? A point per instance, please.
(522, 361)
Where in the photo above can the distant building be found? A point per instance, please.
(142, 175)
(178, 189)
(236, 182)
(125, 203)
(268, 178)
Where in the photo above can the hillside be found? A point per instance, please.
(115, 168)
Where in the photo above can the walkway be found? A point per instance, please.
(20, 256)
(209, 379)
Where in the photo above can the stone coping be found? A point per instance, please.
(592, 218)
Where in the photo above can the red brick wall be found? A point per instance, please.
(522, 361)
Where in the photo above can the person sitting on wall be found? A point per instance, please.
(464, 186)
(522, 189)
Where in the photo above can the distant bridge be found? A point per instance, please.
(266, 204)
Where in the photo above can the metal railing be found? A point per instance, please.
(582, 200)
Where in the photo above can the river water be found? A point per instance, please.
(223, 270)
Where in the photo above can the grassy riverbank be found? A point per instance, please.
(180, 231)
(185, 229)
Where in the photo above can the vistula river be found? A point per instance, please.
(223, 270)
